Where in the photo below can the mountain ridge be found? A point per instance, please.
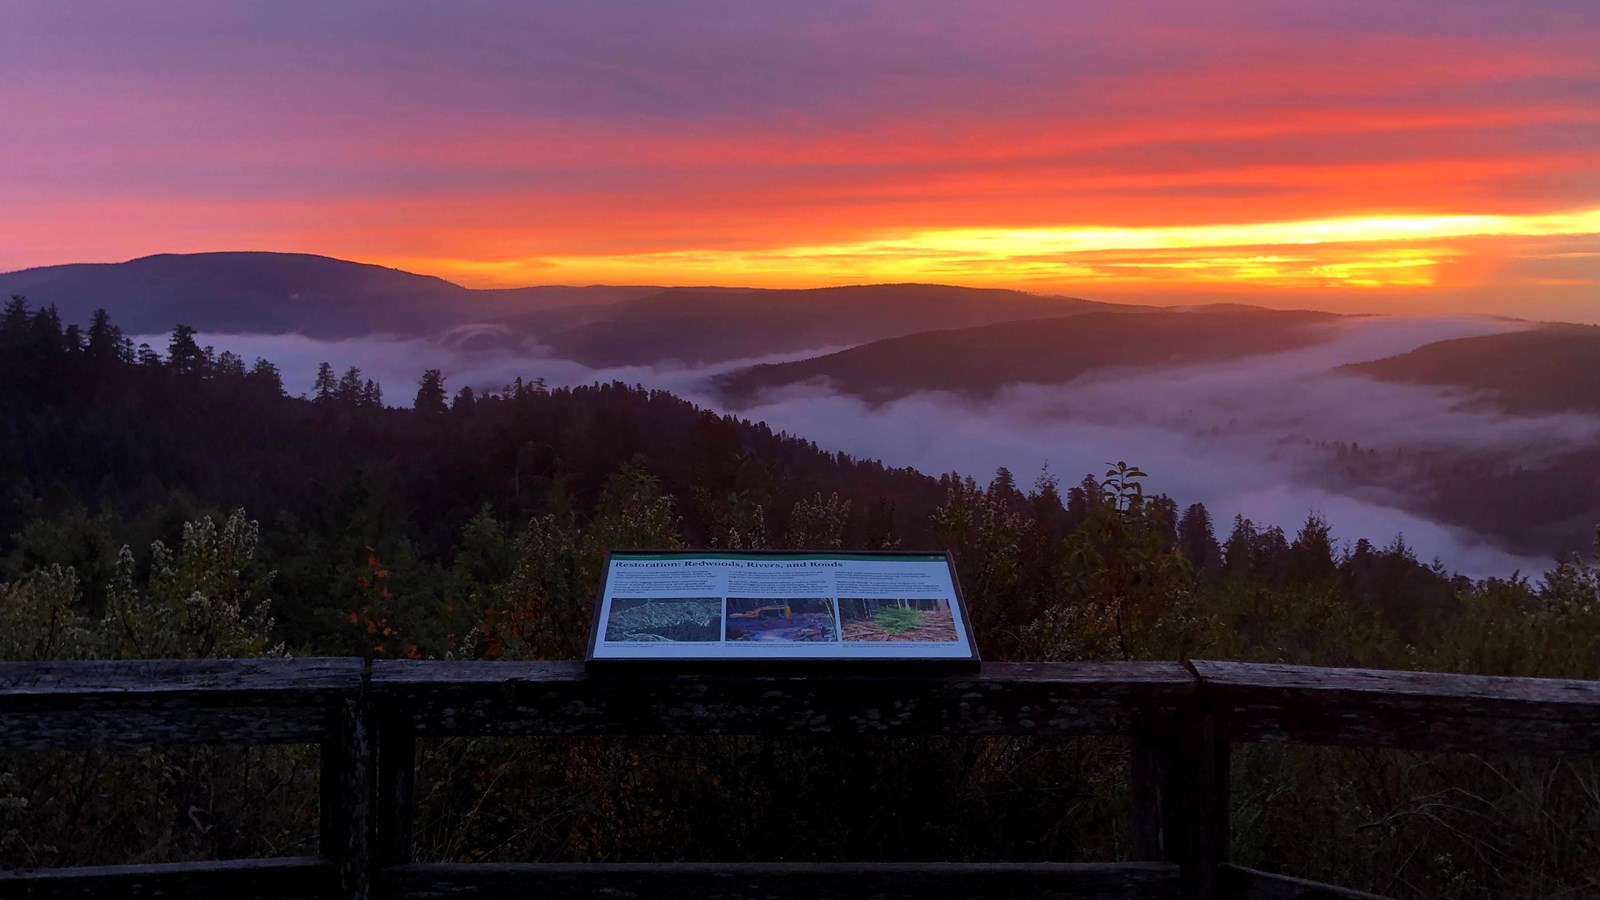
(981, 360)
(268, 292)
(699, 325)
(324, 297)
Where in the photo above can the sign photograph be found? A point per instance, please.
(697, 607)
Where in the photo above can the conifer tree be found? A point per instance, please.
(349, 392)
(184, 355)
(325, 386)
(1312, 552)
(14, 321)
(430, 393)
(105, 339)
(1197, 540)
(266, 375)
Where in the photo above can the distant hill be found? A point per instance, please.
(277, 293)
(246, 292)
(1551, 368)
(980, 361)
(707, 325)
(600, 325)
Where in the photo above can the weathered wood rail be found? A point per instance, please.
(1181, 719)
(78, 705)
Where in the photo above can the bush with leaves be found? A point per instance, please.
(205, 600)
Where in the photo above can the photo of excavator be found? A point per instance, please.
(780, 619)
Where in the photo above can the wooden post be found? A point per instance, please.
(1155, 767)
(397, 758)
(1205, 802)
(345, 798)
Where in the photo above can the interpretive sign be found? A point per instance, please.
(692, 609)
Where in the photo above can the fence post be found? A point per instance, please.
(1203, 786)
(345, 797)
(1154, 791)
(397, 756)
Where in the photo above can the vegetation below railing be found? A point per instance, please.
(1464, 826)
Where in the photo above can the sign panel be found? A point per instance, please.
(759, 609)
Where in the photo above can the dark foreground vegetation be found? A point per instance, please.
(178, 504)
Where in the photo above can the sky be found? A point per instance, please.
(1421, 156)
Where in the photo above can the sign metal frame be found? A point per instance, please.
(778, 663)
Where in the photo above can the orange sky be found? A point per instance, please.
(1406, 155)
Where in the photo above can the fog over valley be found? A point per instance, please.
(1272, 436)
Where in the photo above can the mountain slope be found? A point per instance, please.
(599, 325)
(1551, 368)
(980, 361)
(249, 292)
(706, 325)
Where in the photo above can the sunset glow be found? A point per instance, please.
(1370, 252)
(1439, 153)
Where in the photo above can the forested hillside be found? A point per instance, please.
(175, 502)
(1528, 503)
(1545, 369)
(981, 360)
(703, 325)
(104, 439)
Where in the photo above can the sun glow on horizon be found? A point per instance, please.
(1355, 252)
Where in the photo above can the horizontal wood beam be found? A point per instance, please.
(94, 703)
(784, 881)
(241, 879)
(80, 704)
(1409, 710)
(1240, 883)
(86, 729)
(132, 683)
(518, 698)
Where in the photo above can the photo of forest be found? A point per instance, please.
(781, 619)
(897, 620)
(680, 619)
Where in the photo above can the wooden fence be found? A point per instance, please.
(1180, 718)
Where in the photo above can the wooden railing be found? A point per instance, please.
(1181, 719)
(80, 705)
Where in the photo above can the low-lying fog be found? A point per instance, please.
(1231, 435)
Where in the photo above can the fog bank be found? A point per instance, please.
(1238, 436)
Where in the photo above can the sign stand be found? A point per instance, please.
(773, 611)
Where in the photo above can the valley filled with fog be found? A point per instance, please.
(1258, 436)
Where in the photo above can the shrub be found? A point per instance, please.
(899, 619)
